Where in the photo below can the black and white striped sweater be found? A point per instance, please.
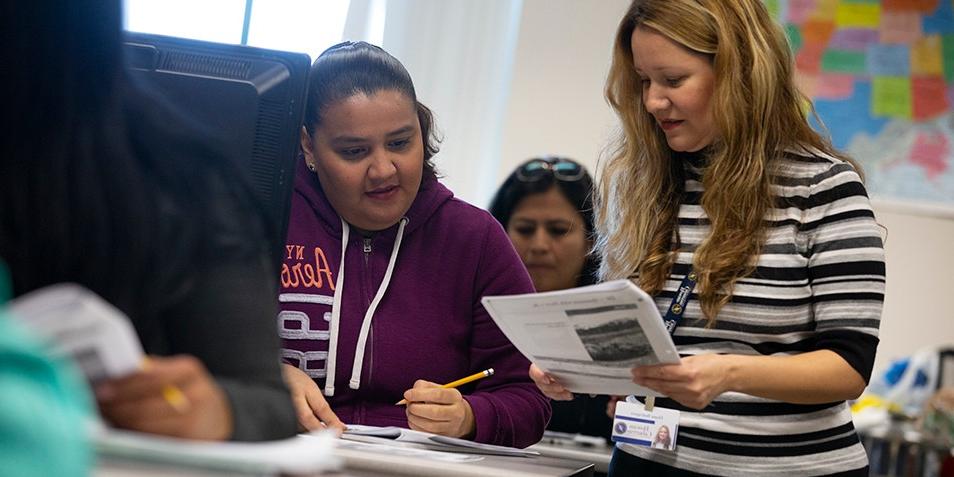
(819, 284)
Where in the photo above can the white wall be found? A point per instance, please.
(556, 98)
(556, 106)
(460, 54)
(919, 305)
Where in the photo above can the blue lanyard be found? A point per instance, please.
(678, 305)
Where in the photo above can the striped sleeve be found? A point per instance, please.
(845, 266)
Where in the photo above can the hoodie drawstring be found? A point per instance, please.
(355, 382)
(336, 315)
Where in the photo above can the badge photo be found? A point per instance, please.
(633, 424)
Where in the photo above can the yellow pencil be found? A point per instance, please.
(460, 382)
(176, 398)
(172, 394)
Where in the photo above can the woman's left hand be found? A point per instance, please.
(434, 409)
(694, 382)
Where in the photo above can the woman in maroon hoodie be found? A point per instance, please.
(384, 271)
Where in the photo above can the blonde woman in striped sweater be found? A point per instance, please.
(717, 171)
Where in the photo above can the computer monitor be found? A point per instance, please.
(250, 99)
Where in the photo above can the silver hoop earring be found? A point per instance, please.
(311, 167)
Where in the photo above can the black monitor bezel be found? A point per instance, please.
(298, 66)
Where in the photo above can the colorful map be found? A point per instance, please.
(881, 75)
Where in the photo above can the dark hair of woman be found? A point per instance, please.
(579, 193)
(91, 166)
(350, 68)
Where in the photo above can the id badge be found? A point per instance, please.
(633, 424)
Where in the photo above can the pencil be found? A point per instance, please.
(172, 394)
(176, 398)
(460, 382)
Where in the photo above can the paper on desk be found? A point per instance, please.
(435, 441)
(303, 454)
(588, 337)
(78, 324)
(389, 446)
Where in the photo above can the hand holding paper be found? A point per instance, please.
(549, 385)
(694, 383)
(586, 338)
(178, 395)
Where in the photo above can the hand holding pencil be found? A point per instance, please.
(442, 409)
(460, 382)
(173, 396)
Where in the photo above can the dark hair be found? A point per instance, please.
(578, 192)
(93, 185)
(349, 68)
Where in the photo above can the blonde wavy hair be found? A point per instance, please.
(758, 112)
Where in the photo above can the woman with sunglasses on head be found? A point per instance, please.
(546, 207)
(720, 185)
(385, 270)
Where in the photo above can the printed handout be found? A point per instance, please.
(78, 324)
(588, 337)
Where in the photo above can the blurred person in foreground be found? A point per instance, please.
(104, 185)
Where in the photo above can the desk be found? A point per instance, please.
(598, 456)
(361, 463)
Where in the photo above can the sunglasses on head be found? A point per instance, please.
(562, 169)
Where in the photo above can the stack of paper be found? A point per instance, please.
(389, 447)
(434, 441)
(302, 454)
